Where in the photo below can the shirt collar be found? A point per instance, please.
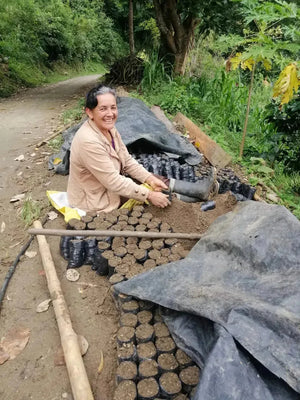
(112, 131)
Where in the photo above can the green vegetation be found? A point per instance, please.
(38, 37)
(31, 211)
(226, 104)
(217, 100)
(56, 143)
(73, 115)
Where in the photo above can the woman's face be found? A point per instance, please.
(105, 113)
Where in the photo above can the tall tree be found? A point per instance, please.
(131, 28)
(176, 30)
(178, 22)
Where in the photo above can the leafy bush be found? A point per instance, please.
(284, 143)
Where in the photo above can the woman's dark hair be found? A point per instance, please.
(91, 98)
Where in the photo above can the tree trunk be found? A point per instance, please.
(182, 53)
(176, 33)
(130, 26)
(247, 111)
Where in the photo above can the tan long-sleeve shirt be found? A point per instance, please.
(96, 179)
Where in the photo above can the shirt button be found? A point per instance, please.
(136, 191)
(143, 194)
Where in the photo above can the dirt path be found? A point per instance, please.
(29, 117)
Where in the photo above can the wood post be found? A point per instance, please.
(77, 374)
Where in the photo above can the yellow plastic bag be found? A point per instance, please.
(60, 202)
(131, 202)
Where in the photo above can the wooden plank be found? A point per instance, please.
(210, 149)
(77, 374)
(158, 112)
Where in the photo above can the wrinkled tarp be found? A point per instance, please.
(237, 299)
(137, 125)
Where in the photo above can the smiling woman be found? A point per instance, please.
(105, 113)
(100, 160)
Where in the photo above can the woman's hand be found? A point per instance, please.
(156, 184)
(158, 199)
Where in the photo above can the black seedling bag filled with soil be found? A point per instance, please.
(76, 254)
(64, 246)
(90, 247)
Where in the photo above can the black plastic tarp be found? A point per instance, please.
(137, 125)
(237, 302)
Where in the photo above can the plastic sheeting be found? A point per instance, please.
(138, 126)
(236, 298)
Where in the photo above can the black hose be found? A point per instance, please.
(13, 267)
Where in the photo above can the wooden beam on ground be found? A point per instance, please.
(158, 112)
(210, 149)
(77, 374)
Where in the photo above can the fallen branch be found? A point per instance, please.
(46, 140)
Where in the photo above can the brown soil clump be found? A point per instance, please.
(165, 345)
(190, 375)
(148, 369)
(167, 362)
(126, 390)
(170, 384)
(126, 370)
(129, 319)
(188, 217)
(183, 359)
(144, 333)
(148, 388)
(125, 334)
(131, 306)
(146, 351)
(126, 352)
(145, 317)
(161, 330)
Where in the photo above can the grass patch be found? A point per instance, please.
(31, 211)
(74, 114)
(56, 143)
